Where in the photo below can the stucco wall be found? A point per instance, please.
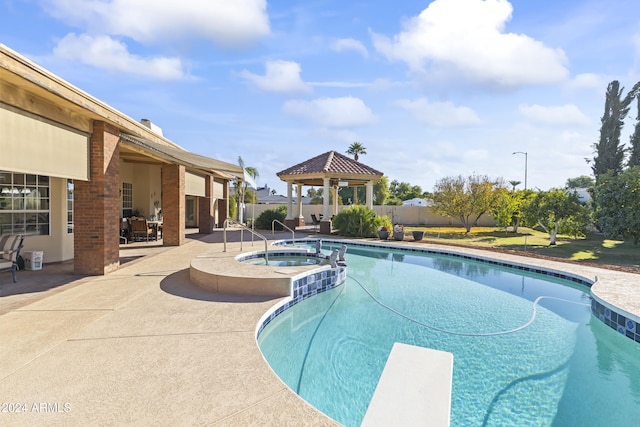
(406, 215)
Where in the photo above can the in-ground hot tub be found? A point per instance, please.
(240, 274)
(283, 258)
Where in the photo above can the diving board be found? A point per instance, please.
(414, 389)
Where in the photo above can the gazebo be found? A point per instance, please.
(329, 170)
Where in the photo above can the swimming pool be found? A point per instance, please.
(564, 368)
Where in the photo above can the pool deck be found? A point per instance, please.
(143, 346)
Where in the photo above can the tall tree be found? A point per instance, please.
(617, 200)
(466, 199)
(634, 140)
(609, 153)
(356, 149)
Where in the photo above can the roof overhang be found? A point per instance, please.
(145, 151)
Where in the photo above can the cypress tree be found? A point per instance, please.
(609, 153)
(634, 140)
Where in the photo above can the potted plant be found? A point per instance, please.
(383, 232)
(417, 235)
(398, 232)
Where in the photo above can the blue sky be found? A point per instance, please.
(431, 89)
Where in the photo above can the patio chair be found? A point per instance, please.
(10, 247)
(316, 221)
(125, 230)
(140, 229)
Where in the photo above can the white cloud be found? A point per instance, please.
(227, 23)
(280, 76)
(341, 85)
(466, 39)
(564, 115)
(440, 114)
(350, 44)
(344, 112)
(107, 53)
(588, 81)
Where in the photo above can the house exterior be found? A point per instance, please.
(71, 167)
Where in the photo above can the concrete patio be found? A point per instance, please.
(142, 346)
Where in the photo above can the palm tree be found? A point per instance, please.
(514, 184)
(241, 189)
(356, 149)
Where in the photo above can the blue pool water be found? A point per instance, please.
(286, 261)
(566, 368)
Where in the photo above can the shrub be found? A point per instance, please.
(385, 222)
(265, 219)
(358, 221)
(233, 207)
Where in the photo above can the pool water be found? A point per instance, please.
(286, 261)
(566, 368)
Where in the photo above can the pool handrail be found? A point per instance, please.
(242, 228)
(273, 229)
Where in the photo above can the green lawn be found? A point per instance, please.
(594, 249)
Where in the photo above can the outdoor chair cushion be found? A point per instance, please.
(9, 247)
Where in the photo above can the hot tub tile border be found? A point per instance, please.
(303, 286)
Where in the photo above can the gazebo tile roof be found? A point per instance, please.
(330, 162)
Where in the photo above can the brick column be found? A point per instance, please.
(96, 241)
(206, 215)
(173, 205)
(223, 204)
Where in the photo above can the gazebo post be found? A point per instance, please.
(299, 221)
(288, 221)
(325, 223)
(370, 194)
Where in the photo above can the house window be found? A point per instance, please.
(69, 206)
(24, 204)
(127, 199)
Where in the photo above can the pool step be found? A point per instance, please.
(414, 389)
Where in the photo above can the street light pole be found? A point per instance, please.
(525, 165)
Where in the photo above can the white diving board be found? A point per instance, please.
(414, 389)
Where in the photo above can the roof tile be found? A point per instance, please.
(330, 162)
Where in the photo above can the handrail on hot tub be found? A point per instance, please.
(273, 229)
(242, 228)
